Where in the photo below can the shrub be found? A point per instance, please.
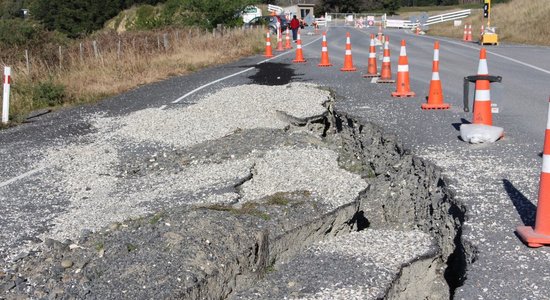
(17, 32)
(49, 93)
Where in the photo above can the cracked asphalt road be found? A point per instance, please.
(497, 183)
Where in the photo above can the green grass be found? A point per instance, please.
(249, 208)
(156, 218)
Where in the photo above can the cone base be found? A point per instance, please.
(403, 94)
(348, 69)
(371, 75)
(325, 65)
(299, 61)
(531, 238)
(435, 106)
(268, 55)
(287, 48)
(380, 80)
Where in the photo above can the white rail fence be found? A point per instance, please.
(456, 15)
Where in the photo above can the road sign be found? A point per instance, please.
(371, 22)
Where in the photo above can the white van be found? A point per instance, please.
(251, 12)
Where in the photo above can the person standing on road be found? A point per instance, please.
(294, 25)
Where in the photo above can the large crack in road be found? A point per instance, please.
(317, 205)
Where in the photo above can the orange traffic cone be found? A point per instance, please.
(465, 37)
(385, 73)
(435, 97)
(279, 41)
(403, 83)
(372, 68)
(417, 30)
(348, 59)
(287, 40)
(481, 33)
(482, 101)
(268, 50)
(380, 32)
(324, 52)
(299, 54)
(469, 37)
(540, 234)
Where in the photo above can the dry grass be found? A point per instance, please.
(140, 59)
(518, 21)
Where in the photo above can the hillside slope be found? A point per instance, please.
(518, 21)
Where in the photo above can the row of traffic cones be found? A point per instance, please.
(482, 103)
(467, 37)
(468, 33)
(534, 236)
(280, 47)
(403, 89)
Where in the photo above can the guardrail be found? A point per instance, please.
(430, 21)
(448, 17)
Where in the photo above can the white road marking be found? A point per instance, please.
(374, 80)
(29, 173)
(235, 74)
(493, 53)
(162, 107)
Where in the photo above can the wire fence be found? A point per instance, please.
(94, 50)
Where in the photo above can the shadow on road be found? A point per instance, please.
(273, 74)
(462, 121)
(526, 210)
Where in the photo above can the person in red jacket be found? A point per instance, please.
(294, 25)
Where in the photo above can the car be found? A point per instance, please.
(270, 22)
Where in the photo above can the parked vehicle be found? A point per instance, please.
(250, 12)
(270, 22)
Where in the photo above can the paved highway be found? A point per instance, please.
(497, 183)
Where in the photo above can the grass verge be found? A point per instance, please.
(518, 21)
(109, 63)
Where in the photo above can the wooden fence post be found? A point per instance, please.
(165, 40)
(96, 50)
(27, 60)
(118, 49)
(81, 52)
(60, 58)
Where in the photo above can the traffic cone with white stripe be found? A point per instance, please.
(465, 37)
(482, 130)
(372, 69)
(482, 101)
(299, 53)
(380, 32)
(325, 62)
(287, 40)
(469, 37)
(385, 73)
(279, 40)
(481, 33)
(348, 59)
(268, 49)
(403, 82)
(540, 234)
(435, 97)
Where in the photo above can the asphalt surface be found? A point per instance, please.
(497, 183)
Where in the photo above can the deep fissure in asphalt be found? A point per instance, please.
(405, 193)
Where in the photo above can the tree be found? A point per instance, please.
(391, 6)
(209, 13)
(341, 6)
(79, 17)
